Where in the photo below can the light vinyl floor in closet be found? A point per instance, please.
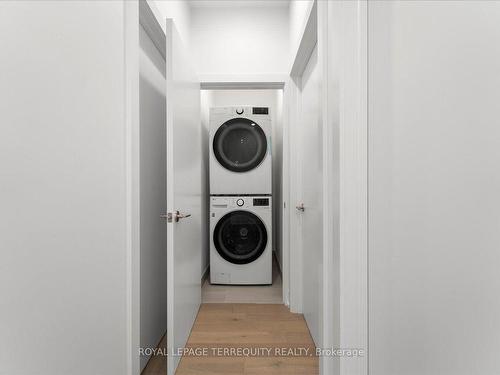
(244, 293)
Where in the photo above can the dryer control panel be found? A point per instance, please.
(261, 202)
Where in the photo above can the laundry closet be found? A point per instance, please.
(231, 160)
(244, 156)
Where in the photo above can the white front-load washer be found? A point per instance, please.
(240, 243)
(240, 151)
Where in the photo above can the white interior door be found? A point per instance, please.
(184, 183)
(311, 180)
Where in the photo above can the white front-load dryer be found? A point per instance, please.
(240, 243)
(240, 151)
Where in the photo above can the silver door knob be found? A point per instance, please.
(178, 215)
(300, 207)
(174, 216)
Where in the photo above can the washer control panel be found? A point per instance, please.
(262, 113)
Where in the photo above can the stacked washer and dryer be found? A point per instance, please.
(240, 196)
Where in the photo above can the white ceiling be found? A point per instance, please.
(238, 3)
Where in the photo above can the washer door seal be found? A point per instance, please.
(240, 145)
(240, 237)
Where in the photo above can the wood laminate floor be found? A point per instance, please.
(270, 330)
(279, 340)
(157, 364)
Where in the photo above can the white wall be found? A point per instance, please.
(153, 193)
(274, 100)
(434, 204)
(62, 188)
(240, 40)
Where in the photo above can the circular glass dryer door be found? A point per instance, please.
(240, 237)
(240, 145)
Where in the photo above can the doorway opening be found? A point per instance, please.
(239, 236)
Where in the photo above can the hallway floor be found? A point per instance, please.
(267, 327)
(157, 364)
(263, 327)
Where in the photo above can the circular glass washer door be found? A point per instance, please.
(240, 237)
(240, 145)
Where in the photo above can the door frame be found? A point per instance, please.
(132, 184)
(347, 40)
(339, 28)
(262, 82)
